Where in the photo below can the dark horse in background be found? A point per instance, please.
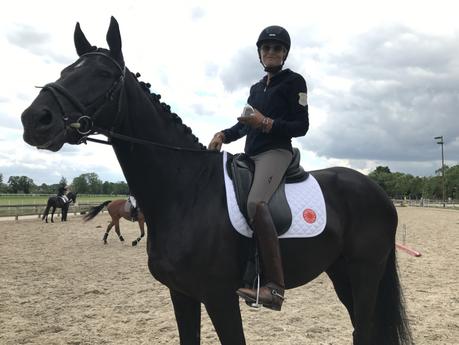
(57, 202)
(117, 209)
(192, 247)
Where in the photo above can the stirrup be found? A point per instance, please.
(256, 304)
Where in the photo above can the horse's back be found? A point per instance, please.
(366, 214)
(355, 187)
(116, 207)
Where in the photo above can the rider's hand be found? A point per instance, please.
(217, 141)
(257, 120)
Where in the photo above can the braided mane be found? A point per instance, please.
(155, 98)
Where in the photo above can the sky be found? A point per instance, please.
(382, 76)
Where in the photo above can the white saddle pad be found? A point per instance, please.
(306, 203)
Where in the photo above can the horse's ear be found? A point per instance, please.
(81, 43)
(114, 39)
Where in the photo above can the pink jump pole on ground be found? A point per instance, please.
(407, 250)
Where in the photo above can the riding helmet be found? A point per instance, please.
(274, 33)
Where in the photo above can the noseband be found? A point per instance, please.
(84, 124)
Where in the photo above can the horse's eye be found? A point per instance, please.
(105, 74)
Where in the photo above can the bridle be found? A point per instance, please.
(85, 123)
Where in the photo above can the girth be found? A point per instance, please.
(241, 168)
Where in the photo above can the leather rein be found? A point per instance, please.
(85, 123)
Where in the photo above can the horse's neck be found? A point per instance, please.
(146, 118)
(162, 179)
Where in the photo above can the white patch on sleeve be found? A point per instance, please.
(303, 98)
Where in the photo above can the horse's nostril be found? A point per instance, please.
(45, 118)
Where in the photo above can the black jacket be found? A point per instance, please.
(284, 101)
(61, 191)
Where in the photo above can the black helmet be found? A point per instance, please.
(274, 33)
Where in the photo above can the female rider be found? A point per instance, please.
(280, 113)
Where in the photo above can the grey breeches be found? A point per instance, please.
(270, 167)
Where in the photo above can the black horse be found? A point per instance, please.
(58, 202)
(192, 247)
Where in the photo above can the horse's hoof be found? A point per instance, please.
(121, 239)
(134, 243)
(105, 242)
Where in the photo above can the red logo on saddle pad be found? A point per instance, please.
(309, 216)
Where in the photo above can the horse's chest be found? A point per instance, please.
(174, 274)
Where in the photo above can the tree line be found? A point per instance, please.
(88, 183)
(397, 185)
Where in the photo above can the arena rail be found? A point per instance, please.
(432, 203)
(407, 250)
(21, 210)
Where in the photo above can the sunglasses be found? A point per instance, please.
(277, 48)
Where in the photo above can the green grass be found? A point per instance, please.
(41, 199)
(15, 204)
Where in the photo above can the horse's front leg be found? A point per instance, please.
(223, 309)
(142, 232)
(188, 317)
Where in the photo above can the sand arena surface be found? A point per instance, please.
(60, 285)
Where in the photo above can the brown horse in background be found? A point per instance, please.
(117, 209)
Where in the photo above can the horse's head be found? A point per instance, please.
(72, 196)
(84, 96)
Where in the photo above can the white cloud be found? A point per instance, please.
(382, 76)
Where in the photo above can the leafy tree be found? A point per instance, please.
(107, 187)
(121, 188)
(383, 177)
(382, 170)
(88, 183)
(20, 184)
(115, 188)
(417, 187)
(2, 186)
(45, 189)
(80, 184)
(452, 182)
(439, 170)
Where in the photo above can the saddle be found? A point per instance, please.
(64, 198)
(240, 169)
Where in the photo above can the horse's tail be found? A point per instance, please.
(46, 211)
(94, 211)
(391, 322)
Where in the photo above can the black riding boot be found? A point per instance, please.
(272, 294)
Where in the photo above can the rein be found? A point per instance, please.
(110, 134)
(85, 124)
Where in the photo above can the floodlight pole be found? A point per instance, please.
(441, 142)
